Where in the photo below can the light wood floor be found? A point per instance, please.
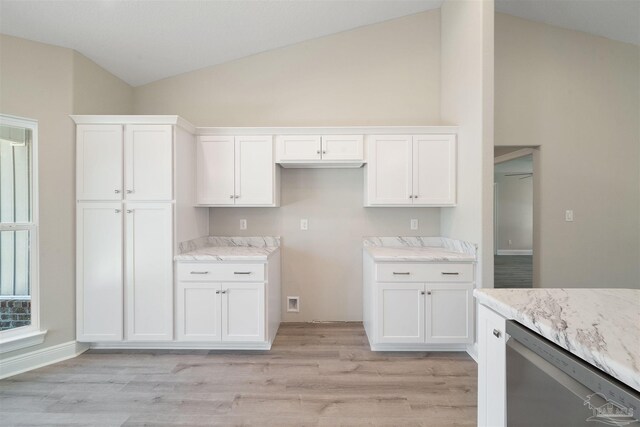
(315, 375)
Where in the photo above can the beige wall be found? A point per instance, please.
(96, 91)
(467, 101)
(383, 74)
(37, 81)
(577, 97)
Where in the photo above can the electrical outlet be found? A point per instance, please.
(568, 215)
(510, 242)
(243, 224)
(293, 304)
(304, 224)
(414, 224)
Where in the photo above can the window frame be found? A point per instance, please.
(24, 336)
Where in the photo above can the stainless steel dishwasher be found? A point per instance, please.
(548, 386)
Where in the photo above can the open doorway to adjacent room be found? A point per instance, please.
(513, 217)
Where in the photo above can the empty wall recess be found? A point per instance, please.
(293, 304)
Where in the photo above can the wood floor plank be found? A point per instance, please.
(320, 374)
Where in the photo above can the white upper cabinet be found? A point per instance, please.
(144, 151)
(236, 171)
(148, 162)
(434, 170)
(406, 170)
(342, 147)
(99, 162)
(298, 147)
(255, 172)
(389, 170)
(215, 170)
(320, 151)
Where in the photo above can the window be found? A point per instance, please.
(18, 233)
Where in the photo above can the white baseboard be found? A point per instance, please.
(36, 359)
(173, 345)
(515, 252)
(472, 350)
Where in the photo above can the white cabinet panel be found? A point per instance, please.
(448, 313)
(216, 165)
(434, 170)
(400, 313)
(148, 162)
(243, 307)
(389, 176)
(492, 381)
(298, 147)
(99, 272)
(99, 162)
(149, 271)
(254, 170)
(342, 147)
(198, 312)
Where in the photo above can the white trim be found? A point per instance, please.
(39, 358)
(345, 130)
(515, 251)
(21, 340)
(513, 155)
(34, 231)
(320, 164)
(174, 345)
(133, 120)
(472, 350)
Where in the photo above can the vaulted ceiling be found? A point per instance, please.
(144, 41)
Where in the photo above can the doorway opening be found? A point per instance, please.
(513, 217)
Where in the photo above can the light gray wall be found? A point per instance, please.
(467, 101)
(382, 74)
(576, 96)
(37, 81)
(323, 265)
(514, 204)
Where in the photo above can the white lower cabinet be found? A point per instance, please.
(405, 312)
(99, 271)
(124, 271)
(230, 305)
(149, 271)
(492, 379)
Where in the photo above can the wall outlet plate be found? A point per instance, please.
(414, 224)
(243, 224)
(304, 224)
(568, 215)
(293, 304)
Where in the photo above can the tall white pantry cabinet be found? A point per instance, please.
(135, 198)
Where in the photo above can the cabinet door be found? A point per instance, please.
(389, 170)
(298, 147)
(434, 170)
(215, 170)
(149, 162)
(400, 313)
(342, 147)
(149, 278)
(99, 162)
(255, 170)
(99, 272)
(448, 313)
(492, 380)
(243, 308)
(198, 311)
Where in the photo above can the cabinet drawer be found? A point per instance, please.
(444, 272)
(210, 272)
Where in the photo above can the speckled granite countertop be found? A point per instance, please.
(600, 326)
(213, 248)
